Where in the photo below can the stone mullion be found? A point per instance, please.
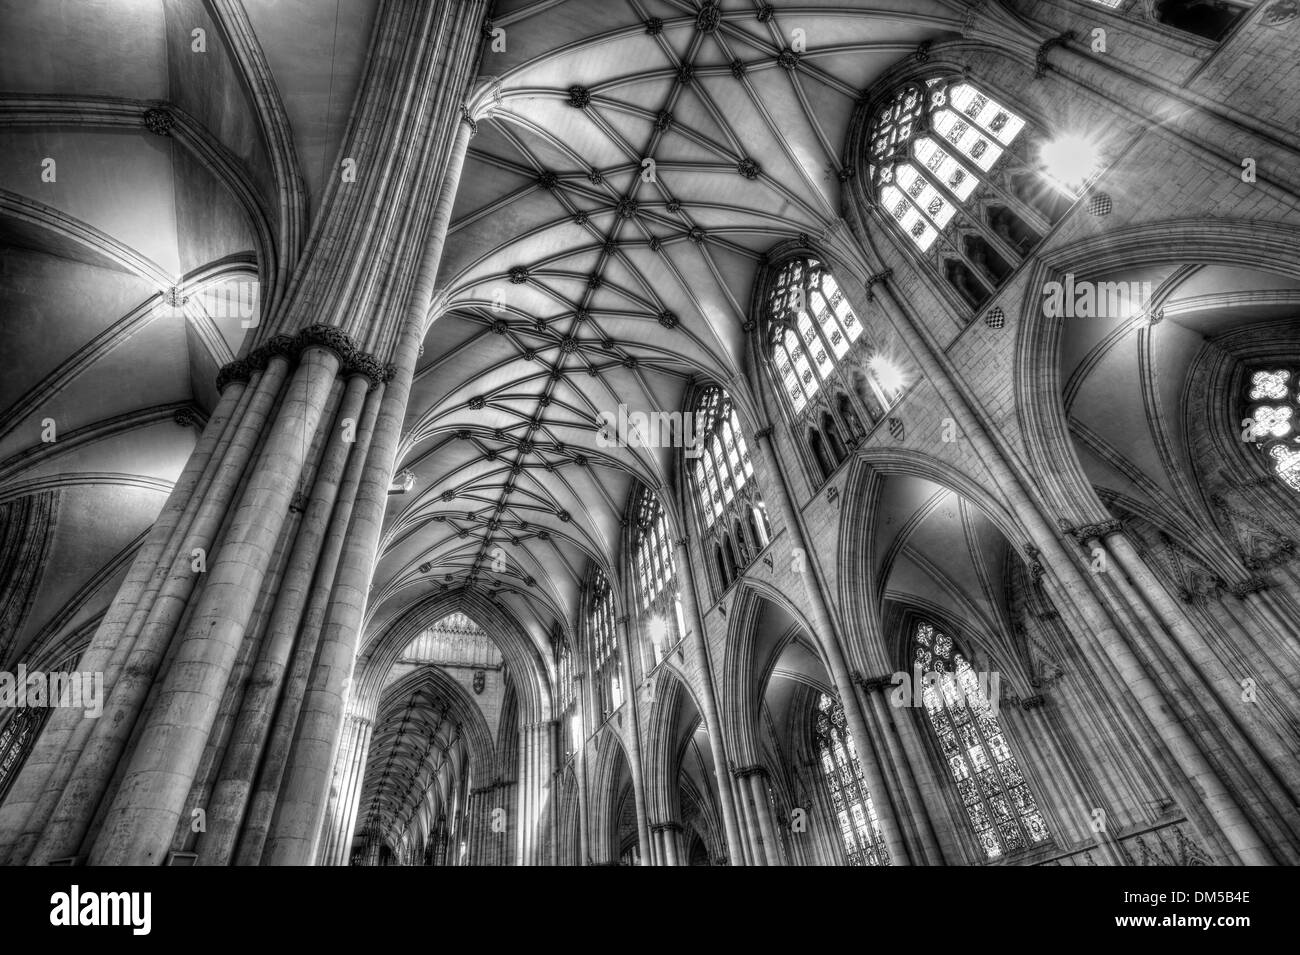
(44, 775)
(828, 638)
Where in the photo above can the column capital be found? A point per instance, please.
(763, 434)
(1244, 588)
(869, 684)
(468, 119)
(743, 772)
(877, 279)
(1037, 701)
(1097, 531)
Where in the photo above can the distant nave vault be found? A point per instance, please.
(650, 432)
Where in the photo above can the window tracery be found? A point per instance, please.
(850, 800)
(731, 510)
(1272, 397)
(948, 164)
(998, 802)
(605, 660)
(654, 574)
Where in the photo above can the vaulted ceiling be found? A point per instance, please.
(577, 277)
(637, 161)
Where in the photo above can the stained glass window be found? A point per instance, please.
(812, 326)
(998, 801)
(16, 741)
(931, 145)
(1272, 420)
(604, 643)
(850, 800)
(655, 577)
(723, 466)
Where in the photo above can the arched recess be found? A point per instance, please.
(879, 480)
(529, 670)
(1060, 476)
(610, 788)
(680, 775)
(431, 743)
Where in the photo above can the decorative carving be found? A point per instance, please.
(237, 370)
(668, 319)
(1033, 702)
(367, 366)
(594, 280)
(579, 97)
(626, 207)
(922, 54)
(695, 234)
(1041, 65)
(654, 26)
(737, 68)
(896, 429)
(480, 681)
(685, 73)
(159, 121)
(467, 118)
(787, 59)
(1281, 13)
(548, 179)
(747, 168)
(1035, 564)
(298, 503)
(1098, 531)
(185, 417)
(708, 18)
(325, 336)
(1244, 588)
(845, 173)
(477, 403)
(874, 280)
(518, 275)
(765, 12)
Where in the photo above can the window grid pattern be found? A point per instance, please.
(998, 801)
(724, 466)
(1272, 397)
(930, 147)
(604, 643)
(812, 325)
(850, 800)
(655, 574)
